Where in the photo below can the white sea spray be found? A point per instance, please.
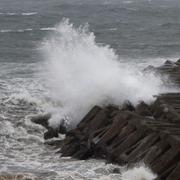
(140, 172)
(81, 73)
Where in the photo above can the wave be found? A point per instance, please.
(6, 30)
(29, 13)
(19, 14)
(81, 73)
(15, 31)
(113, 29)
(48, 29)
(10, 14)
(169, 24)
(131, 9)
(25, 30)
(127, 2)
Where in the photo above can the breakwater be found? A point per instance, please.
(128, 134)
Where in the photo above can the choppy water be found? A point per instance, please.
(140, 32)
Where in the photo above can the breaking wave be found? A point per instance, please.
(17, 14)
(137, 173)
(26, 30)
(15, 31)
(81, 73)
(28, 13)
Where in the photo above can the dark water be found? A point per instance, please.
(139, 31)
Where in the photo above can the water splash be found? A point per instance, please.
(81, 73)
(138, 173)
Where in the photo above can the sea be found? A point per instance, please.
(65, 56)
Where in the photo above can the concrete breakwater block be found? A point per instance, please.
(126, 137)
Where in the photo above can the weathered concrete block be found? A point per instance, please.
(92, 113)
(175, 174)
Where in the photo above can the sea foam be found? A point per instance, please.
(81, 73)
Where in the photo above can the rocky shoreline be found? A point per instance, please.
(128, 134)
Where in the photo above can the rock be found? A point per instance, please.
(51, 133)
(178, 62)
(42, 120)
(116, 171)
(150, 69)
(157, 109)
(92, 113)
(168, 159)
(83, 153)
(57, 143)
(63, 127)
(100, 120)
(71, 149)
(175, 173)
(128, 106)
(143, 109)
(169, 63)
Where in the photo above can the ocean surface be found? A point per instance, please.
(63, 57)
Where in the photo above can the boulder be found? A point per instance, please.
(150, 69)
(143, 109)
(90, 115)
(56, 143)
(116, 171)
(51, 133)
(41, 120)
(169, 63)
(127, 105)
(63, 127)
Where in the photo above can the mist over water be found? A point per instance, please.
(81, 73)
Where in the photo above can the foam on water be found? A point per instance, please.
(138, 173)
(81, 73)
